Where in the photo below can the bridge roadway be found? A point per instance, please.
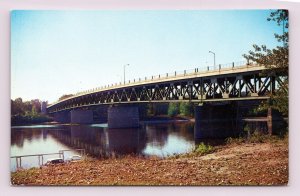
(228, 82)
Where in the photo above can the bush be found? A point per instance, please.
(204, 149)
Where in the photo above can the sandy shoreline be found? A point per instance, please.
(234, 164)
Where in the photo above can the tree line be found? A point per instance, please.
(170, 109)
(27, 112)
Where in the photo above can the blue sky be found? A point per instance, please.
(63, 52)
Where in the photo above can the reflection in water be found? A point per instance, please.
(99, 141)
(125, 141)
(34, 141)
(169, 139)
(102, 142)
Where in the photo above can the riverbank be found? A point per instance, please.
(233, 164)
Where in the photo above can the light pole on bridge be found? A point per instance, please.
(214, 58)
(124, 66)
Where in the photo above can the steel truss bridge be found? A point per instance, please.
(226, 83)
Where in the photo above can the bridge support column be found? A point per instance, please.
(62, 117)
(82, 116)
(198, 129)
(123, 117)
(270, 121)
(214, 121)
(276, 124)
(100, 114)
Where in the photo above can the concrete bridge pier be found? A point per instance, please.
(215, 121)
(82, 116)
(120, 116)
(100, 114)
(218, 120)
(199, 132)
(62, 117)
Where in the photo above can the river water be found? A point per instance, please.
(159, 139)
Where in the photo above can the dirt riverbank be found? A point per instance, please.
(235, 164)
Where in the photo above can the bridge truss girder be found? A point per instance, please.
(202, 89)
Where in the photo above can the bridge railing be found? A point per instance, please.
(187, 72)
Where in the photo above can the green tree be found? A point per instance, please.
(36, 103)
(173, 109)
(65, 97)
(276, 60)
(186, 109)
(17, 106)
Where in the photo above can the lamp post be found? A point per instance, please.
(124, 66)
(214, 58)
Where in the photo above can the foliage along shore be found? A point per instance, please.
(236, 163)
(27, 112)
(29, 119)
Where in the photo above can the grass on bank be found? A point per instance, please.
(257, 137)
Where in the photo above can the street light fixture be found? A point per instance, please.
(124, 66)
(214, 58)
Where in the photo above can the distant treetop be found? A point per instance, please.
(65, 97)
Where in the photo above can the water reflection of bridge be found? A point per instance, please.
(104, 142)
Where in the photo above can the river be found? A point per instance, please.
(152, 138)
